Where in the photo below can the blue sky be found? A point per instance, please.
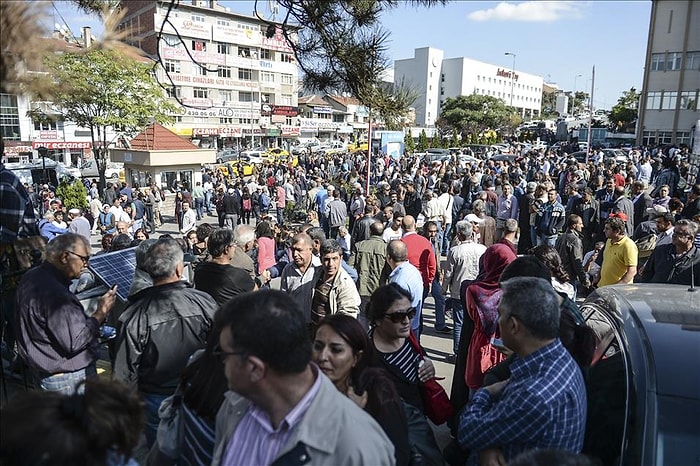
(557, 40)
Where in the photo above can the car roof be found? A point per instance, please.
(669, 317)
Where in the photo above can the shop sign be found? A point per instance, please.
(507, 74)
(288, 130)
(222, 112)
(276, 42)
(61, 145)
(18, 149)
(284, 110)
(273, 132)
(324, 110)
(205, 131)
(230, 132)
(198, 103)
(48, 134)
(235, 35)
(185, 27)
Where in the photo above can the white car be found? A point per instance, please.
(113, 171)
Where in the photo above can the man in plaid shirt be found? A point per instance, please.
(543, 404)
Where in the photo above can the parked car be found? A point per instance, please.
(304, 148)
(114, 171)
(33, 172)
(227, 155)
(644, 384)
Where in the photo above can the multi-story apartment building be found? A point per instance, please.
(235, 75)
(668, 107)
(436, 78)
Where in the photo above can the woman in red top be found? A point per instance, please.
(266, 246)
(482, 300)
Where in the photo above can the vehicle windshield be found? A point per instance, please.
(678, 431)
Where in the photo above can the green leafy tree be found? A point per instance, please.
(624, 114)
(73, 195)
(423, 142)
(578, 101)
(474, 114)
(455, 139)
(408, 144)
(104, 89)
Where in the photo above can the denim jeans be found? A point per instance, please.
(458, 318)
(436, 293)
(66, 382)
(446, 239)
(199, 207)
(152, 402)
(546, 240)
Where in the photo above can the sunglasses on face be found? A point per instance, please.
(399, 316)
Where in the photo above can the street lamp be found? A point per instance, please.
(512, 77)
(573, 100)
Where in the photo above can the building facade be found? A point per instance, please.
(436, 78)
(668, 107)
(235, 75)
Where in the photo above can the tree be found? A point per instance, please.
(408, 144)
(423, 143)
(578, 100)
(473, 114)
(624, 113)
(72, 195)
(103, 89)
(455, 139)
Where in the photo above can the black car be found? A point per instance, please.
(644, 384)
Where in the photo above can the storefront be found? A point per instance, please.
(69, 153)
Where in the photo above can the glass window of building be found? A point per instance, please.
(683, 137)
(673, 61)
(225, 96)
(223, 22)
(245, 74)
(286, 99)
(689, 100)
(665, 137)
(265, 54)
(648, 138)
(267, 77)
(172, 66)
(653, 100)
(224, 71)
(200, 93)
(244, 52)
(198, 18)
(669, 100)
(657, 61)
(244, 96)
(226, 121)
(173, 92)
(45, 125)
(223, 49)
(199, 46)
(692, 61)
(286, 58)
(199, 70)
(286, 78)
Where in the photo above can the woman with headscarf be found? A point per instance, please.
(482, 298)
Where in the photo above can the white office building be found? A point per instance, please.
(436, 78)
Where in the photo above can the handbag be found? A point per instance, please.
(170, 429)
(436, 403)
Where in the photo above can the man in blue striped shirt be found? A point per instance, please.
(543, 404)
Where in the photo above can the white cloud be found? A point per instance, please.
(533, 11)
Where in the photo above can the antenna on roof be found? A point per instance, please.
(692, 288)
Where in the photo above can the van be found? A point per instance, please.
(114, 171)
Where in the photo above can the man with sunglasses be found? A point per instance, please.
(55, 338)
(678, 262)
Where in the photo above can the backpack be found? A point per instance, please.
(646, 245)
(246, 204)
(264, 201)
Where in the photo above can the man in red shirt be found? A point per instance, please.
(420, 253)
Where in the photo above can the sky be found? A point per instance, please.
(557, 40)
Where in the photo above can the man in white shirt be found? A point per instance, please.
(189, 219)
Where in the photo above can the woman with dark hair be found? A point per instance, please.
(100, 427)
(106, 243)
(246, 206)
(389, 312)
(179, 199)
(266, 246)
(141, 234)
(560, 278)
(343, 351)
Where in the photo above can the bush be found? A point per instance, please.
(72, 195)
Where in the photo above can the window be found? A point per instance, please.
(199, 70)
(225, 96)
(223, 22)
(226, 121)
(673, 61)
(246, 97)
(45, 126)
(172, 66)
(244, 74)
(669, 100)
(244, 52)
(289, 121)
(199, 46)
(683, 137)
(174, 92)
(648, 138)
(431, 74)
(286, 58)
(286, 79)
(339, 118)
(224, 72)
(200, 93)
(689, 100)
(286, 99)
(265, 54)
(248, 121)
(657, 61)
(198, 18)
(692, 61)
(653, 100)
(267, 77)
(665, 137)
(223, 49)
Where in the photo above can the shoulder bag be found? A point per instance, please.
(170, 429)
(436, 403)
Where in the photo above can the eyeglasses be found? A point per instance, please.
(677, 234)
(399, 316)
(222, 355)
(85, 259)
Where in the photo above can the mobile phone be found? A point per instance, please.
(498, 344)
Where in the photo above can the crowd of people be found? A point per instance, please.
(329, 369)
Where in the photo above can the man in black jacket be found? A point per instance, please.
(672, 263)
(411, 200)
(642, 201)
(570, 248)
(232, 209)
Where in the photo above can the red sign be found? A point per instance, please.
(507, 74)
(16, 150)
(283, 110)
(61, 145)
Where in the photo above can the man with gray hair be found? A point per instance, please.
(543, 404)
(55, 338)
(162, 326)
(462, 264)
(244, 239)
